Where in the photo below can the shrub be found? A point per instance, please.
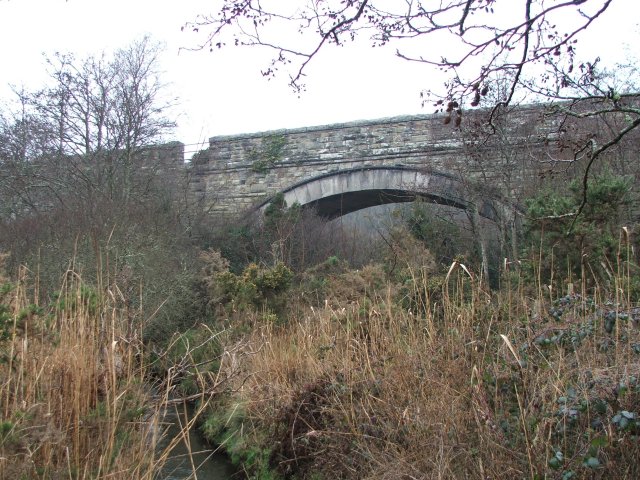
(584, 246)
(256, 286)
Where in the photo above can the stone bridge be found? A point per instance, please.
(341, 168)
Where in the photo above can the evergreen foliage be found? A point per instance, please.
(584, 244)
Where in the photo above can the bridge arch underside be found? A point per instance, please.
(339, 193)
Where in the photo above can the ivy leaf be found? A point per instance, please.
(592, 462)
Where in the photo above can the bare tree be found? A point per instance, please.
(86, 132)
(24, 137)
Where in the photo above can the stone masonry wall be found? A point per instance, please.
(239, 172)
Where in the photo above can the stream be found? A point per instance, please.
(208, 464)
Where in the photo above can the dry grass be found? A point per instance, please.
(73, 392)
(471, 384)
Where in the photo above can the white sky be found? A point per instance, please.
(224, 93)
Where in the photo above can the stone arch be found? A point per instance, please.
(341, 192)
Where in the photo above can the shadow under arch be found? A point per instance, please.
(340, 192)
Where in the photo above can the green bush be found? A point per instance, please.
(256, 286)
(572, 245)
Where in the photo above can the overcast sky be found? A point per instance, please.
(224, 93)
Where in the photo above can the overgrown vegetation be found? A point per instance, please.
(409, 367)
(268, 154)
(585, 247)
(406, 367)
(103, 317)
(309, 353)
(292, 235)
(474, 384)
(72, 386)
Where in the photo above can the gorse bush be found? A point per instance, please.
(580, 246)
(256, 287)
(139, 246)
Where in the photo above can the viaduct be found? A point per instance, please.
(341, 168)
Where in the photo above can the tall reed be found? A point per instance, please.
(73, 393)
